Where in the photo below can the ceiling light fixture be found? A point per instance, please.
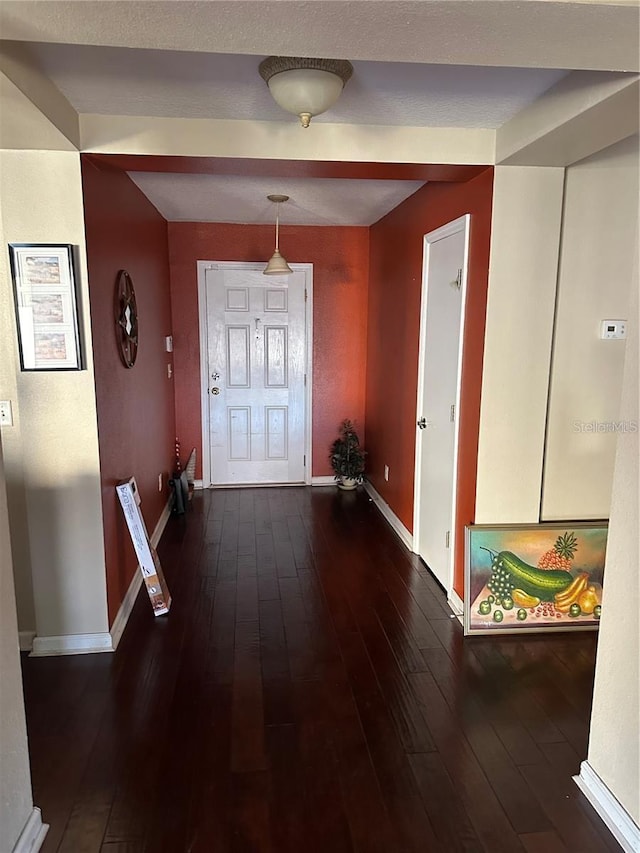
(277, 264)
(305, 87)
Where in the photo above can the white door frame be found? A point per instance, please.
(460, 224)
(202, 267)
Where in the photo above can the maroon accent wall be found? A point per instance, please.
(340, 258)
(396, 244)
(136, 418)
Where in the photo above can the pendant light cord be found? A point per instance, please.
(277, 223)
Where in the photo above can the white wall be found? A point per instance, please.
(614, 743)
(598, 239)
(52, 451)
(16, 804)
(527, 209)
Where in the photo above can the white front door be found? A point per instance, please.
(256, 361)
(444, 285)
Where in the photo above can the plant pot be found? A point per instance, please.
(347, 483)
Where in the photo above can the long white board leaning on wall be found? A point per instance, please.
(148, 559)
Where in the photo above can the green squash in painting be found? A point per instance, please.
(538, 582)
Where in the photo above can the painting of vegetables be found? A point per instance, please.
(538, 577)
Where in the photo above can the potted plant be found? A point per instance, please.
(347, 457)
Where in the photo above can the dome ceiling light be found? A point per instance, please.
(305, 87)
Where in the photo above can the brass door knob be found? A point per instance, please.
(215, 391)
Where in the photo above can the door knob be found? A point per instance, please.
(215, 391)
(422, 423)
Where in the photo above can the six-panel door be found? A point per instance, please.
(256, 368)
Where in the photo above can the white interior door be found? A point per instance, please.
(444, 288)
(256, 375)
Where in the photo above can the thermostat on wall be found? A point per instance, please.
(613, 330)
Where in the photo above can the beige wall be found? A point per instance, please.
(52, 451)
(598, 239)
(527, 209)
(15, 779)
(614, 744)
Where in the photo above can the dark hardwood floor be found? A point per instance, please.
(310, 692)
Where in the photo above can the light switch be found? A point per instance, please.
(6, 413)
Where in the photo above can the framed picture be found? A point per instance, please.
(533, 577)
(46, 306)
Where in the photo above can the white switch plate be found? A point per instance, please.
(613, 330)
(386, 473)
(6, 413)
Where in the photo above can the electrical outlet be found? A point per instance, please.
(6, 414)
(159, 482)
(169, 371)
(386, 473)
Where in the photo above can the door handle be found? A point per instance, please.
(422, 423)
(215, 391)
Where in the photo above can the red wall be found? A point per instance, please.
(340, 258)
(135, 407)
(396, 244)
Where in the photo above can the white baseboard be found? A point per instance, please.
(455, 603)
(71, 644)
(323, 481)
(25, 640)
(390, 516)
(198, 484)
(122, 617)
(33, 834)
(618, 820)
(83, 644)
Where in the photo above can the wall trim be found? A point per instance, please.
(71, 644)
(455, 602)
(33, 833)
(25, 640)
(122, 617)
(327, 480)
(107, 641)
(398, 527)
(198, 484)
(616, 817)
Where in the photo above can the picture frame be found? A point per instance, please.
(523, 578)
(44, 286)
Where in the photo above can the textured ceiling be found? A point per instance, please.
(229, 198)
(119, 81)
(571, 34)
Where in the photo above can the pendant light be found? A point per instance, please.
(277, 264)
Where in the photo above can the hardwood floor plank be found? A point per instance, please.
(444, 807)
(247, 729)
(543, 842)
(566, 805)
(481, 803)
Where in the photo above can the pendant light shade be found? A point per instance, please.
(277, 264)
(305, 87)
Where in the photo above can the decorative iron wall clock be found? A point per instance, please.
(126, 312)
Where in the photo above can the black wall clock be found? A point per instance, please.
(126, 312)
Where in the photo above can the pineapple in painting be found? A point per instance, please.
(561, 555)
